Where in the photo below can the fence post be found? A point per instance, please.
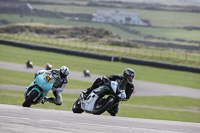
(177, 56)
(43, 39)
(113, 49)
(160, 53)
(169, 55)
(57, 41)
(48, 40)
(194, 58)
(34, 38)
(185, 56)
(62, 44)
(86, 45)
(52, 41)
(152, 53)
(23, 36)
(18, 36)
(7, 36)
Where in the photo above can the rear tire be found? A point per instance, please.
(30, 98)
(76, 108)
(105, 105)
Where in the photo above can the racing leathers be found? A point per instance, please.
(58, 86)
(123, 85)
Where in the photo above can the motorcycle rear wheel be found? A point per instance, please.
(30, 98)
(101, 107)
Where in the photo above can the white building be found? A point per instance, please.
(117, 17)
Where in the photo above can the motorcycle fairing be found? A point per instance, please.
(42, 84)
(89, 103)
(114, 86)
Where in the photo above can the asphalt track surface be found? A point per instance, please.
(16, 119)
(142, 88)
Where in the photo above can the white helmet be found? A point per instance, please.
(64, 71)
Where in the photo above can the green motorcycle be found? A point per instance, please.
(100, 99)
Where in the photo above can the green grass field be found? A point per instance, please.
(170, 33)
(16, 98)
(128, 109)
(39, 58)
(157, 18)
(170, 19)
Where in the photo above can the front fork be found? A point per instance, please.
(29, 89)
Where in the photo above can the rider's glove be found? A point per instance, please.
(105, 79)
(35, 75)
(122, 94)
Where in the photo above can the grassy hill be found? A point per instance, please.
(95, 40)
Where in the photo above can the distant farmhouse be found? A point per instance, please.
(117, 17)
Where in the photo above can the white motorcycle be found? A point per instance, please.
(100, 99)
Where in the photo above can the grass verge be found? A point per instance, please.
(16, 98)
(25, 78)
(39, 58)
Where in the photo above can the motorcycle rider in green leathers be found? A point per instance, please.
(125, 83)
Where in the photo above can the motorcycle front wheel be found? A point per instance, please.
(102, 105)
(76, 108)
(30, 98)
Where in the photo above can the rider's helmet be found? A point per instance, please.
(129, 74)
(64, 71)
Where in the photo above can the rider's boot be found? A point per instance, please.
(44, 100)
(50, 99)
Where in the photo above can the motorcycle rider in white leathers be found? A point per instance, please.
(61, 79)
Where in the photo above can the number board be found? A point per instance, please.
(47, 78)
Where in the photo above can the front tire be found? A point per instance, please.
(76, 108)
(30, 98)
(101, 106)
